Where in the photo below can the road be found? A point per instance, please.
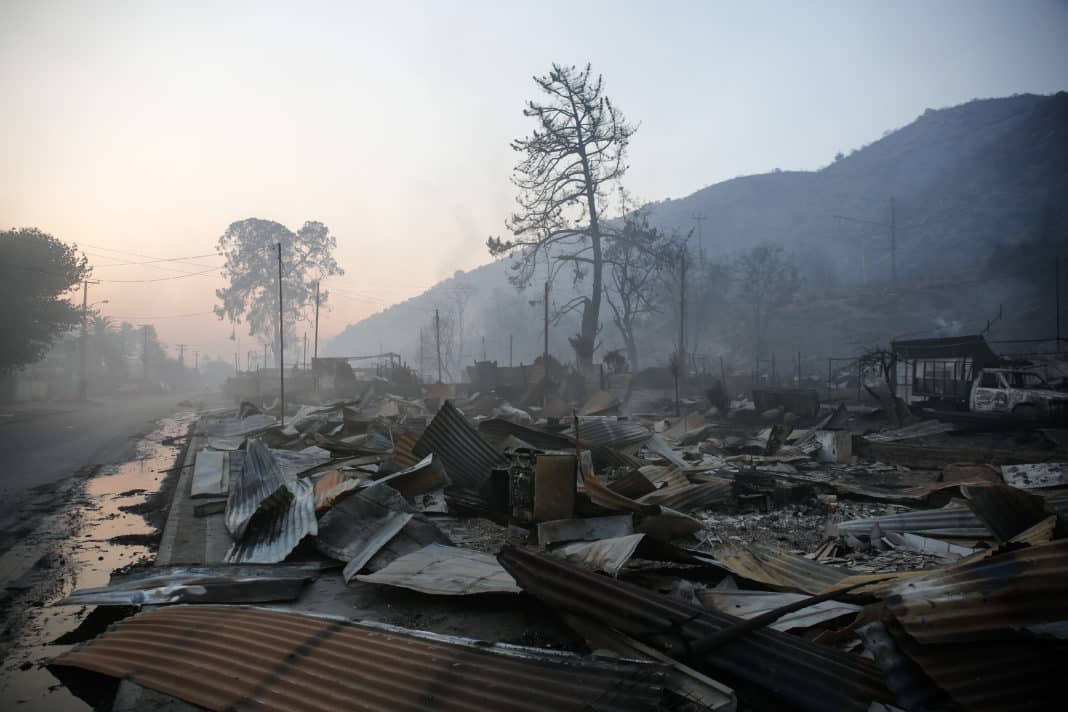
(45, 445)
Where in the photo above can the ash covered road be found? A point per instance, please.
(46, 444)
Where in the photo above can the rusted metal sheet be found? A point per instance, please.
(467, 458)
(633, 484)
(985, 599)
(656, 520)
(235, 657)
(445, 571)
(199, 584)
(497, 430)
(331, 486)
(664, 476)
(404, 451)
(791, 670)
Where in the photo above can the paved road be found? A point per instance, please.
(45, 445)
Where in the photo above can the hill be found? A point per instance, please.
(976, 190)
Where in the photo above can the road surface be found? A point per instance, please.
(43, 445)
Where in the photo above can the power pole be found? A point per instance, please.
(181, 356)
(700, 243)
(682, 318)
(437, 339)
(483, 348)
(305, 350)
(196, 361)
(281, 341)
(1057, 296)
(144, 353)
(893, 241)
(315, 350)
(265, 356)
(422, 358)
(545, 353)
(509, 350)
(83, 383)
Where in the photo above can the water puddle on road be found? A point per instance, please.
(114, 524)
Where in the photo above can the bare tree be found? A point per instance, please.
(577, 150)
(636, 256)
(766, 280)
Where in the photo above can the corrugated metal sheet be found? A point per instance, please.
(607, 555)
(691, 498)
(418, 533)
(792, 670)
(231, 426)
(919, 430)
(277, 526)
(331, 486)
(424, 476)
(948, 521)
(609, 432)
(633, 484)
(199, 584)
(497, 430)
(260, 479)
(749, 604)
(664, 475)
(467, 458)
(403, 451)
(357, 527)
(233, 657)
(985, 599)
(1005, 510)
(445, 571)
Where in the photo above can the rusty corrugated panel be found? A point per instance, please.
(422, 477)
(453, 441)
(403, 451)
(691, 498)
(332, 485)
(232, 657)
(633, 484)
(977, 600)
(792, 670)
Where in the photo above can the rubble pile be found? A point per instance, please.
(720, 560)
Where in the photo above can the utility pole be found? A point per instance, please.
(83, 384)
(305, 350)
(682, 318)
(196, 361)
(281, 342)
(545, 353)
(700, 243)
(315, 349)
(422, 359)
(437, 339)
(483, 347)
(144, 353)
(509, 350)
(181, 356)
(265, 356)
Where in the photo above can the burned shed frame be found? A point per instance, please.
(940, 368)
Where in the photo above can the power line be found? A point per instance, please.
(161, 259)
(162, 316)
(159, 279)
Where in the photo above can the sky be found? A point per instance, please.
(141, 130)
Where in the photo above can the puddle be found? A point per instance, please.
(114, 524)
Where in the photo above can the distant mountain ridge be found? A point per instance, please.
(965, 180)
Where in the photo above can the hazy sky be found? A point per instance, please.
(145, 128)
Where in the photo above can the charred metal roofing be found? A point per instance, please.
(795, 671)
(467, 458)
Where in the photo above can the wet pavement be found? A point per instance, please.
(77, 534)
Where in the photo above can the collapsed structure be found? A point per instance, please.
(405, 553)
